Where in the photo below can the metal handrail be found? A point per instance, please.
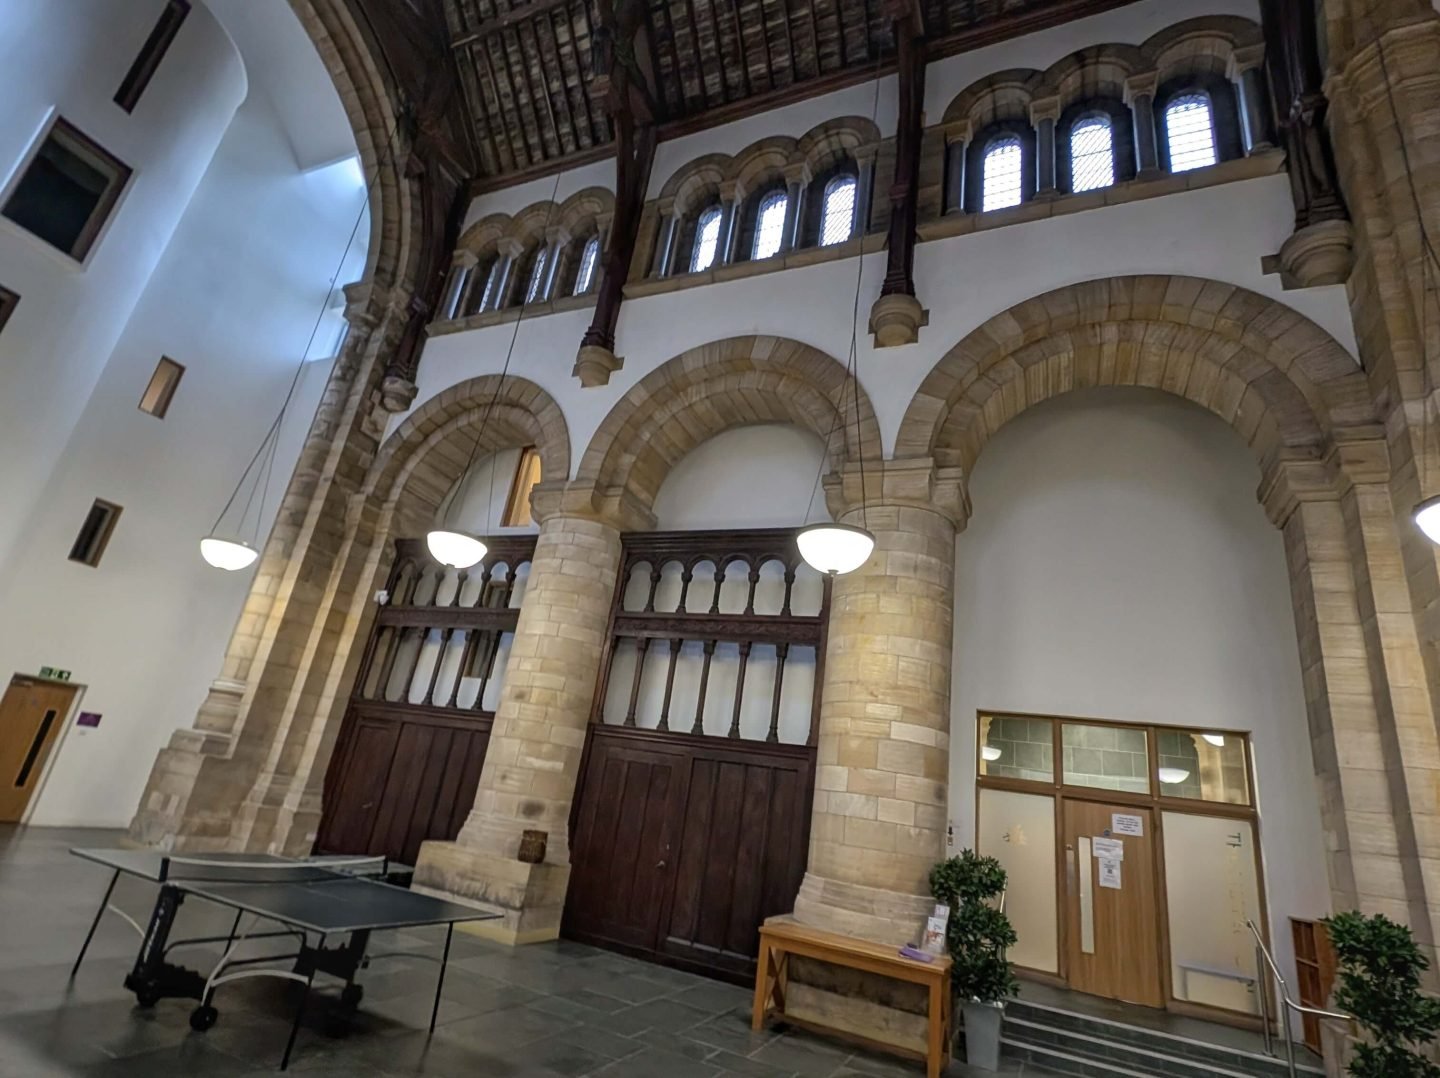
(1262, 955)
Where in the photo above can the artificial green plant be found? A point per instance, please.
(1380, 968)
(979, 933)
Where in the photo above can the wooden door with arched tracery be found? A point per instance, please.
(407, 761)
(692, 817)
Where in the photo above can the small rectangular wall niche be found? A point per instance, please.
(8, 301)
(148, 60)
(161, 389)
(67, 191)
(95, 533)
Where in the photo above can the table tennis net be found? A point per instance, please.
(243, 868)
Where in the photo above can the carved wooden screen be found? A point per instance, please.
(693, 813)
(408, 758)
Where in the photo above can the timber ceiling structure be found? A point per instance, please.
(524, 68)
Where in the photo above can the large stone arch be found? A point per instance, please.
(717, 386)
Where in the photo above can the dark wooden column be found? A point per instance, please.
(896, 317)
(624, 80)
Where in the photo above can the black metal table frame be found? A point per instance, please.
(154, 978)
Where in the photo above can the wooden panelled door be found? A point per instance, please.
(1112, 905)
(32, 713)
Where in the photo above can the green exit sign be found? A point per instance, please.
(54, 674)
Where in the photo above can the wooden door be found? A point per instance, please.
(1112, 906)
(623, 851)
(32, 713)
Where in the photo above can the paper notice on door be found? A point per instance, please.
(1110, 873)
(1121, 824)
(1111, 849)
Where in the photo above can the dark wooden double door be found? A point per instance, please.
(683, 845)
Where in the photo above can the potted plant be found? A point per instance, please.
(1379, 986)
(977, 937)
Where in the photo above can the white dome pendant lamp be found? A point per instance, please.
(835, 549)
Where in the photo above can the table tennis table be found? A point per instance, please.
(310, 900)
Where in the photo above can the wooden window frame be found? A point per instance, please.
(8, 302)
(119, 176)
(169, 385)
(152, 54)
(91, 554)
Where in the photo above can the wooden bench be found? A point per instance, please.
(781, 937)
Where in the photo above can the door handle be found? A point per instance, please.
(660, 864)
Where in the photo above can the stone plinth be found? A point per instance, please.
(530, 898)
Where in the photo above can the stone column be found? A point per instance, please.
(662, 263)
(533, 761)
(957, 145)
(1043, 115)
(731, 197)
(1140, 96)
(461, 266)
(506, 272)
(797, 179)
(879, 817)
(864, 185)
(557, 241)
(1247, 72)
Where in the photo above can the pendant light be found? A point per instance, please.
(830, 547)
(448, 545)
(1173, 775)
(1218, 740)
(228, 549)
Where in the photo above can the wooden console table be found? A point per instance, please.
(781, 937)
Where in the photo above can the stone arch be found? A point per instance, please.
(1282, 382)
(692, 183)
(1201, 45)
(426, 455)
(828, 142)
(1100, 71)
(763, 161)
(714, 387)
(485, 234)
(1005, 95)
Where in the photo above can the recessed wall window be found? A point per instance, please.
(1190, 132)
(67, 191)
(770, 225)
(535, 290)
(838, 220)
(151, 54)
(527, 474)
(161, 390)
(1092, 154)
(707, 240)
(585, 275)
(94, 536)
(1001, 174)
(8, 301)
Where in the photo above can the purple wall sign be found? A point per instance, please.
(88, 718)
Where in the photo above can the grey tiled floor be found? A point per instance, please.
(556, 1010)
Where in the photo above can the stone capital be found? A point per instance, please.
(510, 247)
(1319, 254)
(603, 222)
(1044, 108)
(796, 172)
(917, 483)
(1290, 481)
(557, 235)
(464, 258)
(1142, 85)
(1359, 456)
(560, 498)
(1244, 59)
(594, 364)
(731, 191)
(665, 207)
(865, 155)
(958, 131)
(897, 319)
(369, 305)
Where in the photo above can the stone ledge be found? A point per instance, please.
(805, 256)
(510, 314)
(529, 898)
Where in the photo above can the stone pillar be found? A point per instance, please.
(1247, 72)
(557, 243)
(508, 273)
(797, 179)
(864, 185)
(1043, 115)
(1140, 96)
(957, 145)
(461, 266)
(533, 761)
(663, 261)
(879, 817)
(731, 197)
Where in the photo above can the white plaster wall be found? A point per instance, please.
(234, 297)
(1118, 565)
(69, 59)
(750, 477)
(483, 493)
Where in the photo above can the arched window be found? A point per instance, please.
(585, 275)
(1190, 132)
(1001, 174)
(769, 225)
(535, 290)
(707, 240)
(484, 279)
(1092, 154)
(837, 217)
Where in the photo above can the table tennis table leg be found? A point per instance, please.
(104, 904)
(300, 1011)
(440, 981)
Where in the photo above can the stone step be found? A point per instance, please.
(1106, 1041)
(1056, 1061)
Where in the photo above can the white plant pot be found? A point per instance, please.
(982, 1034)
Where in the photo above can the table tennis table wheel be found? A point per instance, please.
(351, 995)
(203, 1017)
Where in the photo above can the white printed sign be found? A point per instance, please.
(1110, 873)
(1121, 824)
(1111, 849)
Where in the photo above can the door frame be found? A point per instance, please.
(48, 767)
(1159, 804)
